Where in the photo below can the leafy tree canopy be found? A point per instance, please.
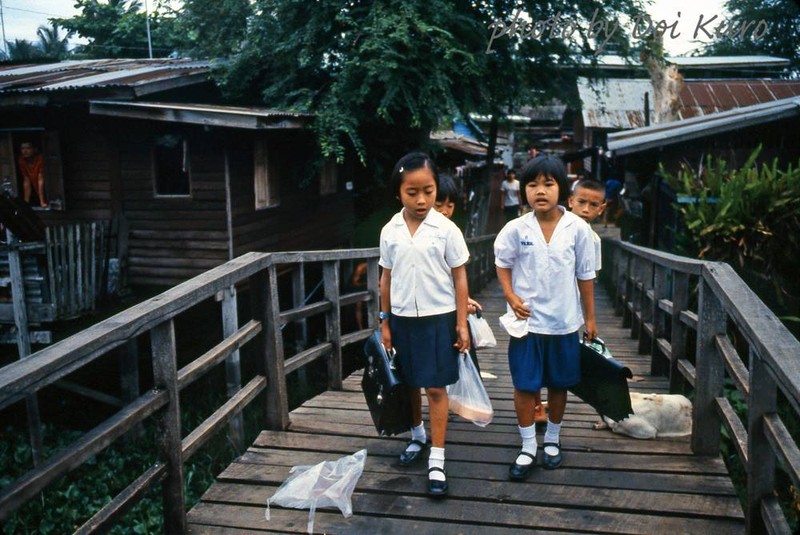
(118, 29)
(781, 39)
(376, 70)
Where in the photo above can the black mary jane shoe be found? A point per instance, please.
(409, 457)
(521, 472)
(437, 489)
(551, 461)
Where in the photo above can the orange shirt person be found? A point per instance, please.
(31, 165)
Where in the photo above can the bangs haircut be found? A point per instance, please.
(447, 189)
(592, 185)
(548, 166)
(411, 162)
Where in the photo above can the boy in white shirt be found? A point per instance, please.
(588, 201)
(545, 264)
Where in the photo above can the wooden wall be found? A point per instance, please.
(172, 239)
(303, 220)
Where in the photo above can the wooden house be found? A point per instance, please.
(187, 181)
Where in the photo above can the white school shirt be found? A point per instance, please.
(422, 279)
(598, 254)
(544, 275)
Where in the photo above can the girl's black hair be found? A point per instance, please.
(411, 162)
(549, 166)
(447, 189)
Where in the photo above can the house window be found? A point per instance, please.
(266, 181)
(171, 166)
(30, 167)
(328, 177)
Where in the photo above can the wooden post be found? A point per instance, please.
(269, 347)
(680, 302)
(657, 360)
(165, 377)
(20, 307)
(128, 355)
(646, 268)
(627, 292)
(233, 370)
(298, 299)
(373, 284)
(760, 458)
(635, 272)
(330, 276)
(710, 368)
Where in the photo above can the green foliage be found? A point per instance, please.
(214, 28)
(749, 217)
(22, 50)
(782, 38)
(51, 43)
(118, 29)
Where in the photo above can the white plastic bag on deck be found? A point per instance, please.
(327, 484)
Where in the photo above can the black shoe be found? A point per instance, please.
(408, 457)
(521, 472)
(551, 461)
(437, 489)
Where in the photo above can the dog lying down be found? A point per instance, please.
(654, 415)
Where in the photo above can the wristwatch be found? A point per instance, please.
(383, 315)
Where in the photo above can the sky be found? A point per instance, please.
(23, 17)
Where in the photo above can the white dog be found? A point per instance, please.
(654, 415)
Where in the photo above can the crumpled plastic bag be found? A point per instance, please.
(482, 333)
(327, 484)
(467, 397)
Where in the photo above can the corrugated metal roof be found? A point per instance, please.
(205, 114)
(95, 73)
(640, 139)
(619, 103)
(700, 62)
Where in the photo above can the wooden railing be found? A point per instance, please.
(667, 300)
(263, 276)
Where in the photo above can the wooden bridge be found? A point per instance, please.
(679, 324)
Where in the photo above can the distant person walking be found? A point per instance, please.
(509, 191)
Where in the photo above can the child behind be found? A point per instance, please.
(588, 201)
(545, 266)
(424, 301)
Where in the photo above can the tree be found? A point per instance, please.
(51, 43)
(22, 50)
(379, 75)
(781, 38)
(118, 29)
(214, 28)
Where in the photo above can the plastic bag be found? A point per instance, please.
(327, 484)
(467, 396)
(481, 332)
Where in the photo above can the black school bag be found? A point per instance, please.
(387, 398)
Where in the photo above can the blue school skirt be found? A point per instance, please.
(538, 360)
(425, 353)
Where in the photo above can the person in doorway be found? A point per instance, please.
(545, 266)
(424, 303)
(31, 166)
(509, 193)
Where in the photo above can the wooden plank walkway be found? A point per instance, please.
(608, 483)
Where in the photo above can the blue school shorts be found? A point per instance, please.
(425, 353)
(538, 360)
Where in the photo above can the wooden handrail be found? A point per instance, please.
(653, 288)
(259, 272)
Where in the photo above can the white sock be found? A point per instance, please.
(436, 459)
(528, 444)
(552, 435)
(417, 433)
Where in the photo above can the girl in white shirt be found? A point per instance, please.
(545, 265)
(424, 303)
